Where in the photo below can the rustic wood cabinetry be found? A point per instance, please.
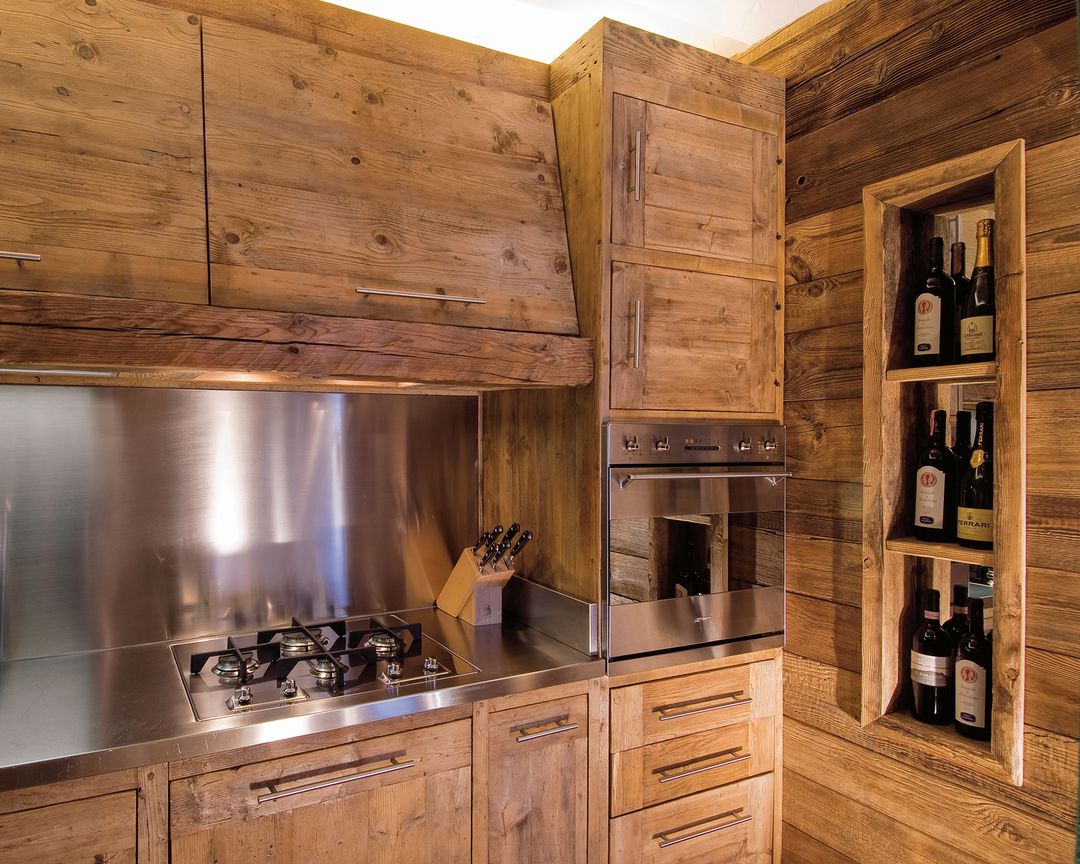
(397, 797)
(345, 184)
(103, 150)
(693, 758)
(535, 778)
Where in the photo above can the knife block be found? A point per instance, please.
(472, 596)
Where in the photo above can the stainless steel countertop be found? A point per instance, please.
(81, 714)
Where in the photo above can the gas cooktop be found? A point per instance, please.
(308, 662)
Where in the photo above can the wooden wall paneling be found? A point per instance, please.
(1051, 703)
(827, 632)
(824, 363)
(109, 169)
(823, 439)
(599, 767)
(801, 848)
(1053, 342)
(1053, 610)
(827, 244)
(1052, 197)
(824, 568)
(920, 123)
(832, 301)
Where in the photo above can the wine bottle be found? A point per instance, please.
(977, 316)
(975, 513)
(935, 312)
(974, 667)
(936, 488)
(957, 266)
(957, 625)
(932, 667)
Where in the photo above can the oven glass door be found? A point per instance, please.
(693, 548)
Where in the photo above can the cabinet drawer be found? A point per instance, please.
(721, 826)
(533, 727)
(90, 830)
(661, 710)
(275, 786)
(670, 769)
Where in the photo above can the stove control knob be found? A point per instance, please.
(393, 670)
(771, 445)
(431, 664)
(745, 445)
(632, 445)
(289, 688)
(242, 695)
(662, 445)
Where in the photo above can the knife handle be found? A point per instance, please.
(496, 554)
(484, 538)
(510, 532)
(488, 556)
(522, 541)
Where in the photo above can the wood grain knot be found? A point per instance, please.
(355, 160)
(232, 238)
(561, 267)
(508, 256)
(297, 81)
(506, 141)
(294, 349)
(86, 51)
(464, 95)
(192, 20)
(801, 180)
(63, 91)
(91, 2)
(541, 178)
(373, 98)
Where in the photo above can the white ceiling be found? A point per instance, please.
(542, 29)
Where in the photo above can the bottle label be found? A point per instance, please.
(975, 524)
(927, 324)
(930, 497)
(977, 335)
(970, 694)
(931, 671)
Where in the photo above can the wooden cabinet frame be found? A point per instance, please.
(894, 212)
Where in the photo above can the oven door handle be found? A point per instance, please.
(774, 478)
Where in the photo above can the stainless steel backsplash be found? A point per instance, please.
(134, 516)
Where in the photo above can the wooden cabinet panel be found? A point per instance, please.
(693, 184)
(331, 171)
(689, 341)
(78, 832)
(399, 797)
(103, 149)
(730, 825)
(537, 787)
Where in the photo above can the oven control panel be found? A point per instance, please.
(694, 444)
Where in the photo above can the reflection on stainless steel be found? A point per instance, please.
(698, 654)
(80, 714)
(692, 490)
(138, 516)
(560, 616)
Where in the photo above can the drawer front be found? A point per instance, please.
(662, 710)
(266, 788)
(671, 769)
(721, 826)
(517, 731)
(90, 830)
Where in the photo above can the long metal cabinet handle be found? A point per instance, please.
(666, 777)
(561, 725)
(636, 150)
(695, 711)
(20, 256)
(775, 479)
(417, 295)
(636, 353)
(275, 794)
(665, 837)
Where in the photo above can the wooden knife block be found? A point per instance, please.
(472, 596)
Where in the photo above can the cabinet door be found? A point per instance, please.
(79, 832)
(693, 184)
(102, 156)
(330, 172)
(688, 341)
(537, 783)
(402, 797)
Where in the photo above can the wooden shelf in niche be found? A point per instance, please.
(940, 551)
(899, 216)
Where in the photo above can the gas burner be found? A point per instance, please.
(384, 644)
(228, 665)
(324, 670)
(294, 642)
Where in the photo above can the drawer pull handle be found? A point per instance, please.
(666, 839)
(636, 353)
(635, 152)
(561, 725)
(20, 256)
(665, 712)
(667, 777)
(417, 295)
(276, 794)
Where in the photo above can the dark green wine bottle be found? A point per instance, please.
(975, 513)
(934, 312)
(977, 316)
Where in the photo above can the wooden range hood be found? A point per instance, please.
(315, 182)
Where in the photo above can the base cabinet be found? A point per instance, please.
(89, 831)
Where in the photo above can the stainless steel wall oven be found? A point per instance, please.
(694, 541)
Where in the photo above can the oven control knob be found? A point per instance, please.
(662, 445)
(393, 670)
(289, 688)
(631, 444)
(431, 664)
(771, 445)
(745, 445)
(242, 695)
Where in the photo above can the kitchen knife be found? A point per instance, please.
(522, 541)
(490, 555)
(493, 538)
(508, 538)
(484, 538)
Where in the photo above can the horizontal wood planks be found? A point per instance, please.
(875, 89)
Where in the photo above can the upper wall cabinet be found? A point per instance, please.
(102, 150)
(349, 185)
